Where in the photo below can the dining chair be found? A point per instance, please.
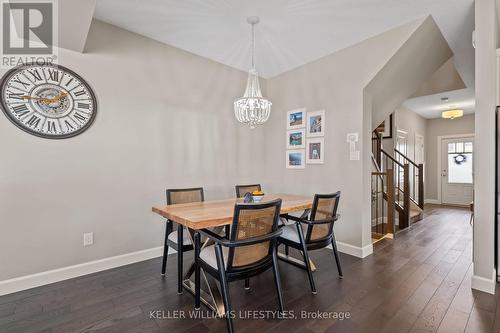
(313, 230)
(242, 189)
(178, 239)
(250, 250)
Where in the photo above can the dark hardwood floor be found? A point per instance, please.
(419, 282)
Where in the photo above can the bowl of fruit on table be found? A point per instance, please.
(257, 196)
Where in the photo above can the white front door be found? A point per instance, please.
(457, 171)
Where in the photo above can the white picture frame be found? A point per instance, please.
(296, 119)
(296, 139)
(315, 151)
(295, 159)
(315, 123)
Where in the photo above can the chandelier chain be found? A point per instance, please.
(253, 45)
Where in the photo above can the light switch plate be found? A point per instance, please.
(88, 239)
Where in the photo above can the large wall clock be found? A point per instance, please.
(49, 101)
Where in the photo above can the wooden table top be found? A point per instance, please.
(208, 214)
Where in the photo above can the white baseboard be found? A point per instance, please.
(432, 201)
(484, 284)
(355, 251)
(69, 272)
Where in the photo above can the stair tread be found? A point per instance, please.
(413, 207)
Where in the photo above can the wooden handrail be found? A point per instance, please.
(391, 158)
(405, 157)
(420, 185)
(402, 178)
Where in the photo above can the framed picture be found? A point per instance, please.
(316, 123)
(296, 119)
(296, 139)
(295, 159)
(315, 151)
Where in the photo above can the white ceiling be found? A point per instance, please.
(291, 32)
(431, 106)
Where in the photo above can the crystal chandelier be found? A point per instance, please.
(252, 108)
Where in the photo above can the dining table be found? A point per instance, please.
(216, 215)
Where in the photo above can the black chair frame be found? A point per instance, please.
(306, 244)
(237, 187)
(226, 274)
(179, 246)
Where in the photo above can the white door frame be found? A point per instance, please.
(439, 158)
(415, 148)
(405, 134)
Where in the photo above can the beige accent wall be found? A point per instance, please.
(165, 119)
(435, 128)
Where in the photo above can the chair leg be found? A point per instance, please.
(286, 250)
(197, 271)
(224, 286)
(277, 281)
(247, 284)
(336, 254)
(168, 230)
(180, 236)
(306, 258)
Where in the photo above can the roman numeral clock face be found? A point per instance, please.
(48, 101)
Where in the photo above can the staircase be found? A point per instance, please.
(402, 191)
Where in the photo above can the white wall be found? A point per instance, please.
(435, 128)
(165, 119)
(484, 175)
(411, 123)
(407, 70)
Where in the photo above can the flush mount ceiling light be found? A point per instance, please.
(252, 108)
(452, 114)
